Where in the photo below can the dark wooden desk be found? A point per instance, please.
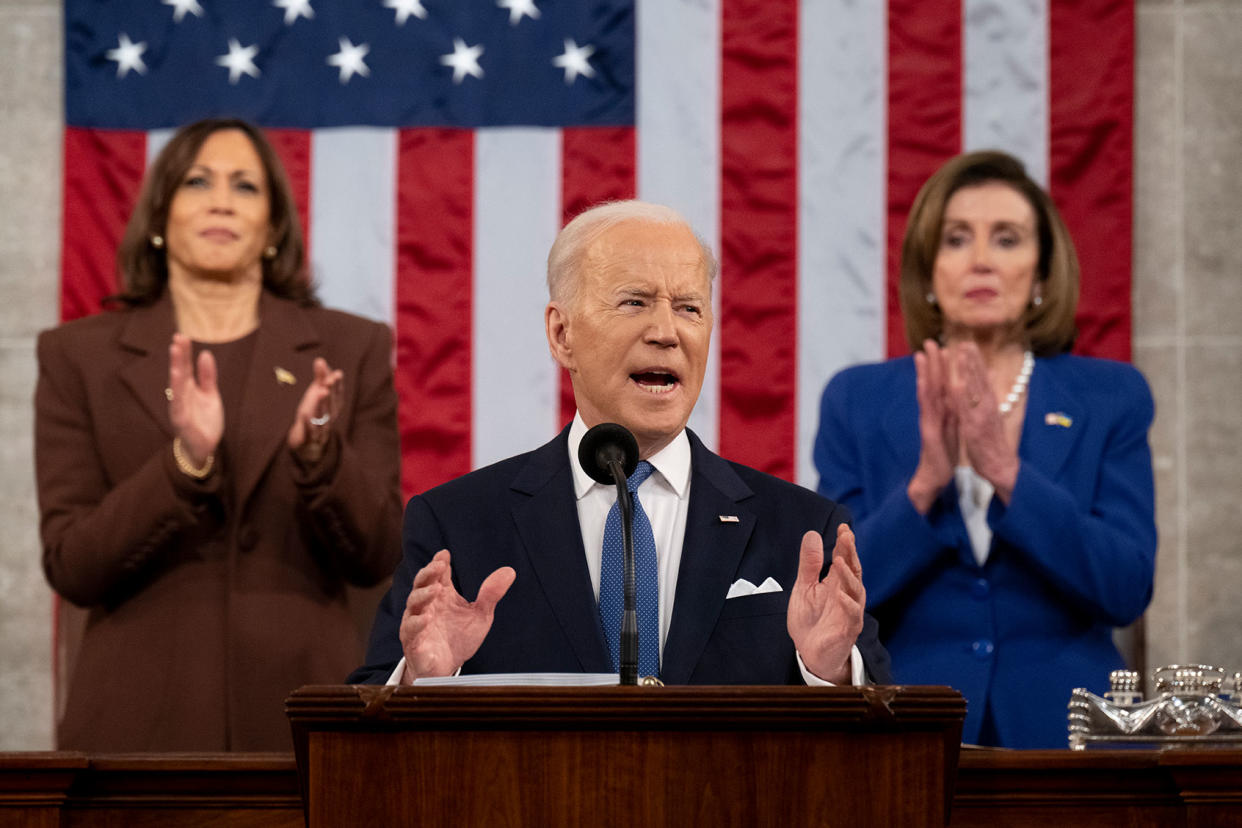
(1098, 789)
(118, 791)
(1047, 789)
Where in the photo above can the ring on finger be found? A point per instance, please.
(321, 420)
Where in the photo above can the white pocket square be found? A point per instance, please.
(742, 587)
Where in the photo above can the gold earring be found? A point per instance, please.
(157, 241)
(270, 252)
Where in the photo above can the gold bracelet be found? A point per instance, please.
(188, 468)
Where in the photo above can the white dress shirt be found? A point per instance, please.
(974, 495)
(665, 497)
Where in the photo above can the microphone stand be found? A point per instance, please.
(628, 656)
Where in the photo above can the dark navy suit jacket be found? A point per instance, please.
(1072, 555)
(522, 513)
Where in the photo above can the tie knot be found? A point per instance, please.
(641, 472)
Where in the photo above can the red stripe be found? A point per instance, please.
(294, 148)
(597, 164)
(1091, 124)
(103, 174)
(435, 219)
(758, 231)
(924, 120)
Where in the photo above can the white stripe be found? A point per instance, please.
(841, 187)
(1005, 88)
(517, 204)
(353, 218)
(156, 139)
(678, 140)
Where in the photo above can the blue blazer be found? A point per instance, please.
(1072, 556)
(522, 513)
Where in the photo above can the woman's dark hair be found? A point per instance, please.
(1050, 325)
(143, 268)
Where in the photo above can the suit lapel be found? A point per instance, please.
(546, 516)
(146, 334)
(285, 341)
(1054, 419)
(710, 555)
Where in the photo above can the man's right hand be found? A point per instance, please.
(439, 628)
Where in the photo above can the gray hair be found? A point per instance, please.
(565, 257)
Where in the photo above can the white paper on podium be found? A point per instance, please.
(522, 680)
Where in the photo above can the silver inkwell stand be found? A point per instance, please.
(1194, 706)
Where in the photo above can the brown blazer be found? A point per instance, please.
(204, 615)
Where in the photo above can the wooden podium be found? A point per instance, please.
(603, 756)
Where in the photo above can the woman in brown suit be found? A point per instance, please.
(216, 461)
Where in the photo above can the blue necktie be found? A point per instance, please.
(646, 581)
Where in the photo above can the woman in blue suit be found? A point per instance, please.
(1002, 487)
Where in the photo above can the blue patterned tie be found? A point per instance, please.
(646, 581)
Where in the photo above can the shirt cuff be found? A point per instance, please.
(858, 673)
(399, 673)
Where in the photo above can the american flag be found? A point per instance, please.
(436, 146)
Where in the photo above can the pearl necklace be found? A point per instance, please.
(1019, 385)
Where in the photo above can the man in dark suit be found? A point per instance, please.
(744, 596)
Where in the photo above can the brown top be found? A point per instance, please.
(206, 609)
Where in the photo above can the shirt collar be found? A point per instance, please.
(672, 462)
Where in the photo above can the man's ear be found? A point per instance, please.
(556, 325)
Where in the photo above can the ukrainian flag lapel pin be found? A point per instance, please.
(284, 377)
(1056, 418)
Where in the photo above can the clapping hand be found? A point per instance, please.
(195, 408)
(981, 427)
(318, 410)
(938, 427)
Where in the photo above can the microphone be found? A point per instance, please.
(604, 444)
(609, 454)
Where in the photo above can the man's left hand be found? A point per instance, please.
(825, 617)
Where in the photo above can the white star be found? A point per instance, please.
(405, 8)
(350, 60)
(128, 55)
(239, 60)
(180, 7)
(574, 61)
(294, 9)
(464, 60)
(517, 8)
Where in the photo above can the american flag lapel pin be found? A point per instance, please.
(728, 519)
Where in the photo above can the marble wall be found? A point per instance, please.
(30, 130)
(1188, 317)
(1187, 329)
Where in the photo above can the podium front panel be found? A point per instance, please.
(747, 756)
